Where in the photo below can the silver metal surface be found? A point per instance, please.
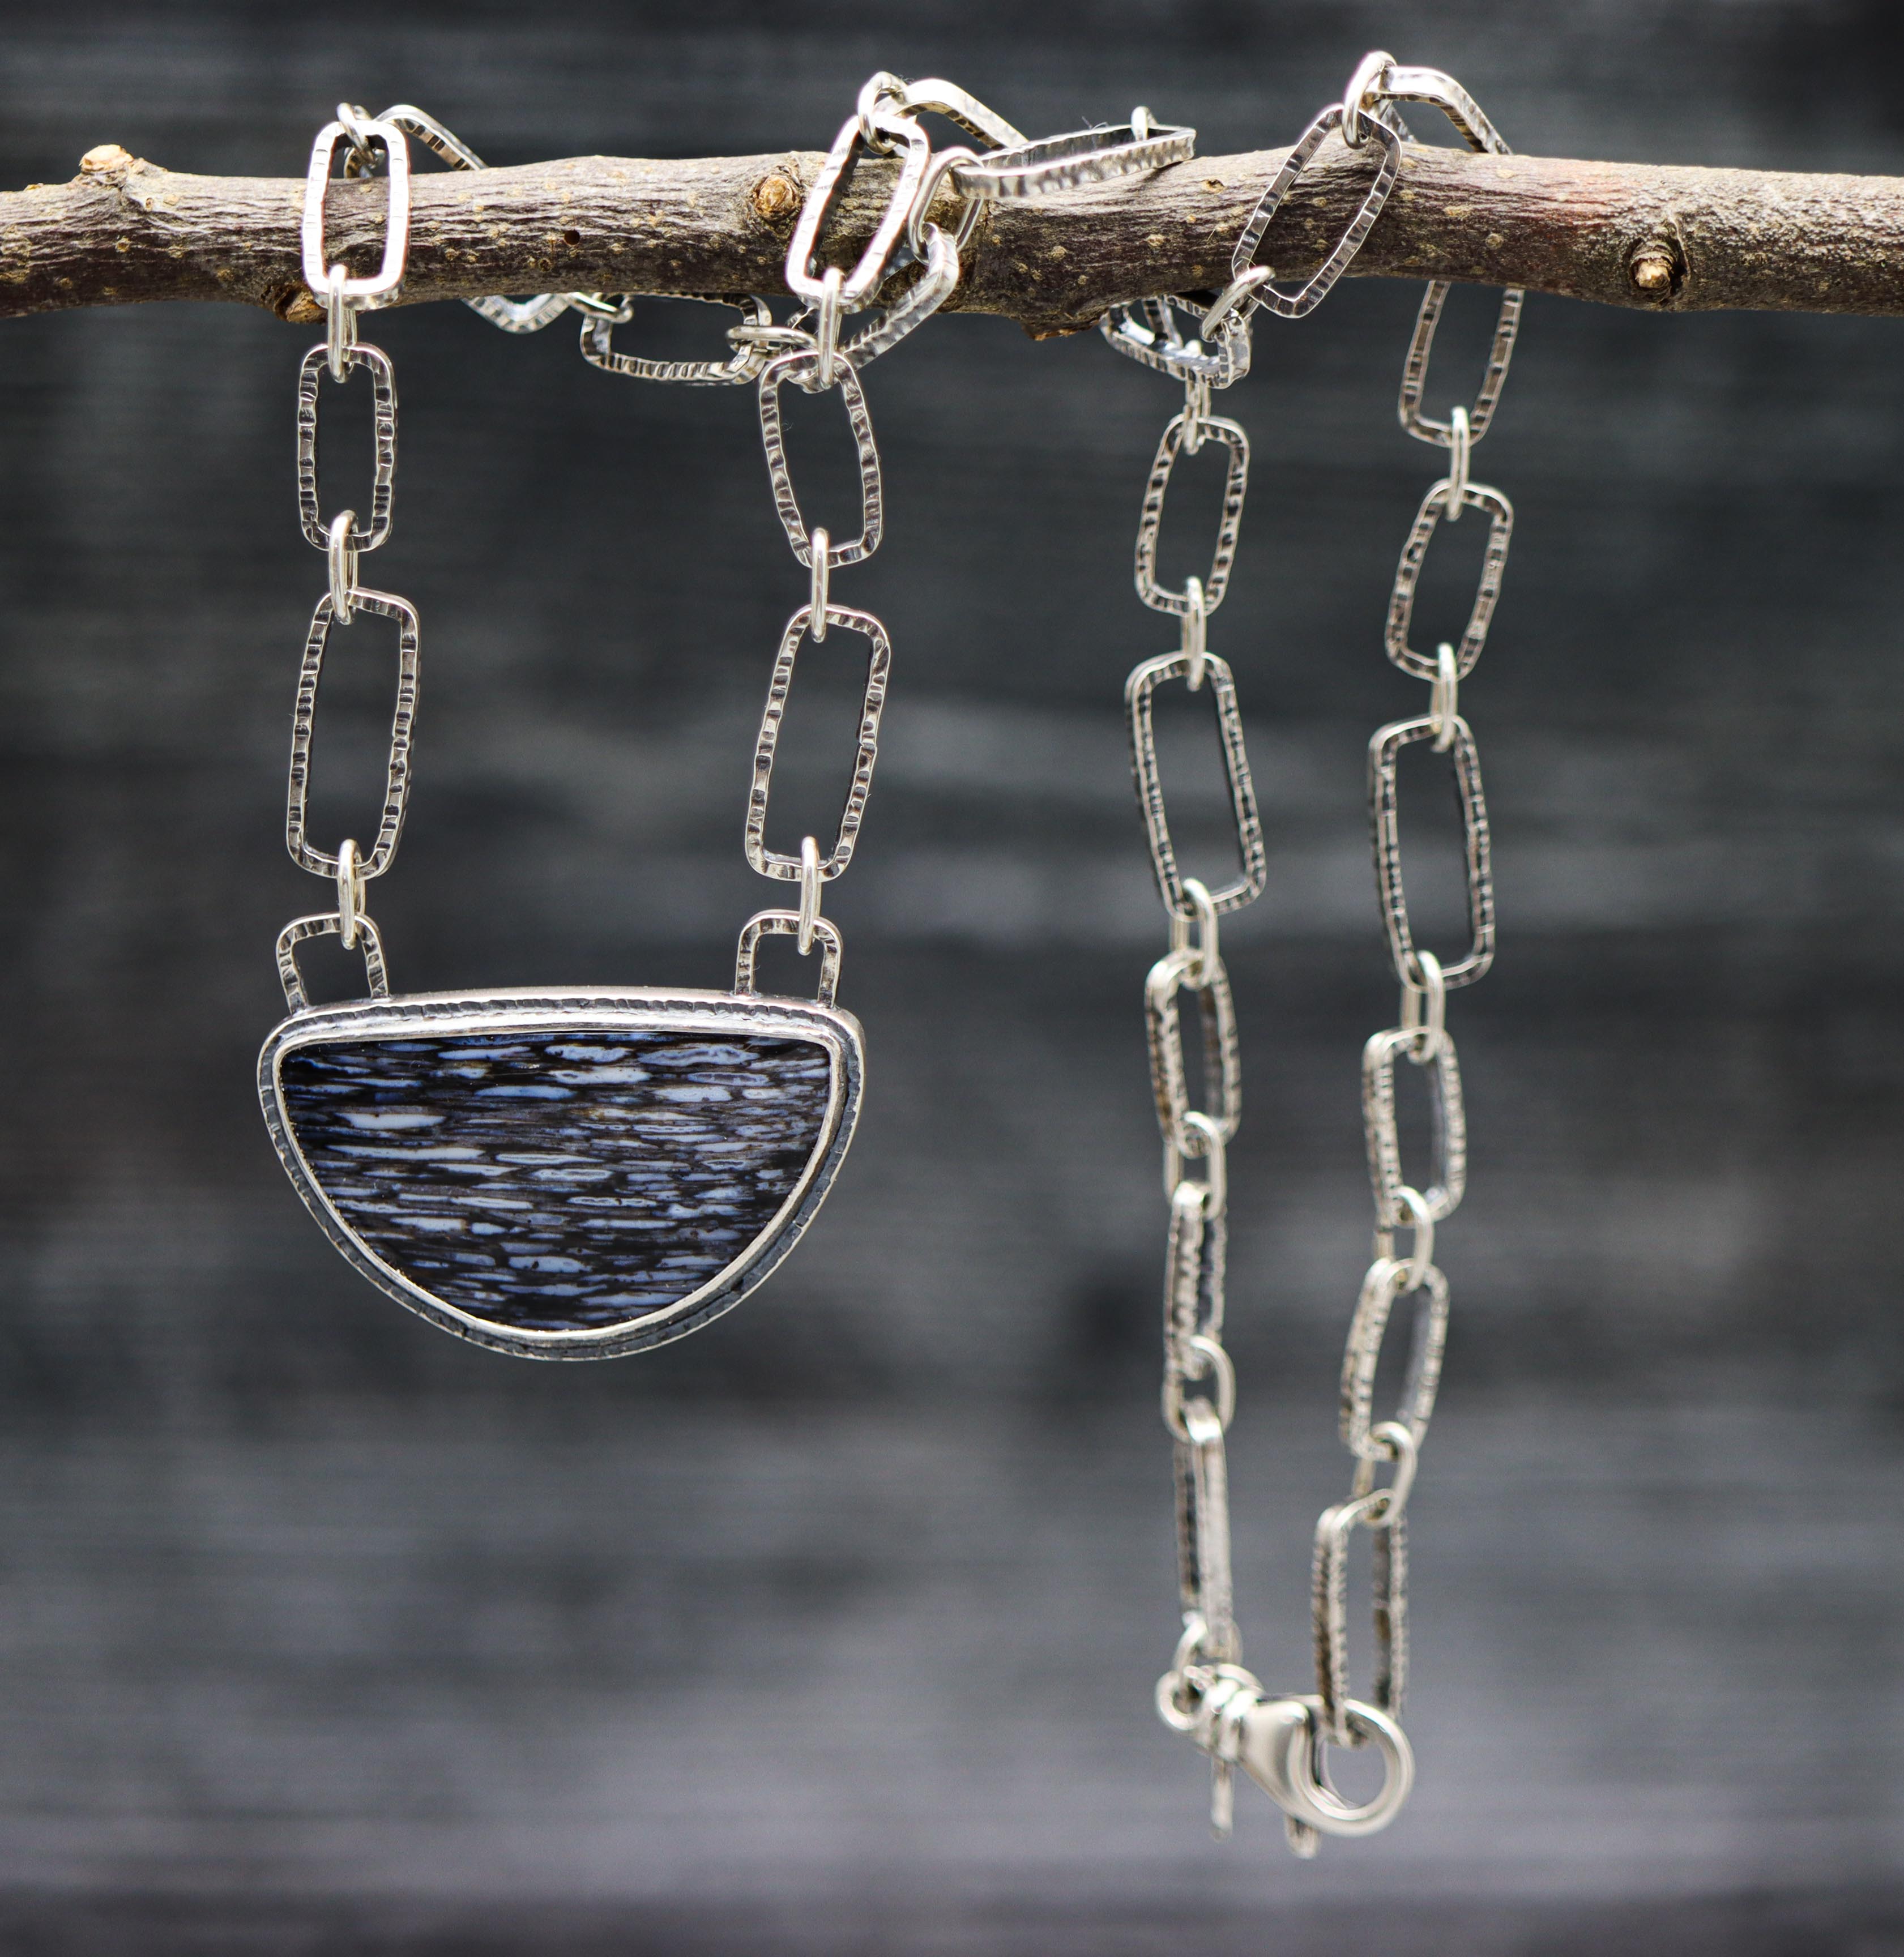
(1362, 84)
(1024, 170)
(326, 924)
(811, 882)
(1206, 1695)
(1147, 333)
(1313, 289)
(1393, 1441)
(1442, 91)
(1209, 1148)
(396, 772)
(340, 562)
(787, 924)
(1429, 86)
(340, 324)
(795, 367)
(970, 209)
(1150, 518)
(916, 304)
(1203, 1356)
(381, 284)
(1460, 456)
(820, 581)
(1253, 871)
(936, 97)
(1418, 1220)
(351, 892)
(744, 364)
(828, 311)
(1384, 750)
(1425, 428)
(1214, 1155)
(1407, 573)
(1281, 1749)
(1222, 1066)
(1388, 1279)
(580, 1011)
(1204, 1467)
(881, 91)
(1425, 1000)
(1207, 952)
(523, 315)
(869, 273)
(1196, 1254)
(1329, 1608)
(770, 863)
(1444, 698)
(383, 400)
(1443, 1192)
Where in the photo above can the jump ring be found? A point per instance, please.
(1231, 298)
(1460, 446)
(1194, 643)
(1209, 958)
(1444, 698)
(809, 893)
(351, 892)
(1363, 83)
(1387, 1506)
(341, 554)
(1420, 1219)
(341, 322)
(1424, 1004)
(829, 310)
(875, 91)
(820, 549)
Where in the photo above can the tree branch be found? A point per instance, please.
(1672, 239)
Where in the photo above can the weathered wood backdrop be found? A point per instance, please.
(834, 1629)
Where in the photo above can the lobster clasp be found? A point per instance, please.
(1280, 1746)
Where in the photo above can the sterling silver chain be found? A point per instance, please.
(813, 350)
(817, 353)
(1281, 1741)
(343, 539)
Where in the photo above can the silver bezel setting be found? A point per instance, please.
(564, 1009)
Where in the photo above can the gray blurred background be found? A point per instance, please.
(833, 1628)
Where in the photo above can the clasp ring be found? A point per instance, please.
(1281, 1748)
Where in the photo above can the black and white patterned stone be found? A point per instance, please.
(555, 1182)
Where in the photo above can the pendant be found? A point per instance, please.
(564, 1173)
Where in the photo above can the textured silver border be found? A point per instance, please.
(1140, 715)
(1024, 170)
(575, 1008)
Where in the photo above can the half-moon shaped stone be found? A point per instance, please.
(556, 1182)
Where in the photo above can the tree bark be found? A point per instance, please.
(1673, 239)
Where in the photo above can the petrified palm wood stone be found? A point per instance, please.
(564, 1174)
